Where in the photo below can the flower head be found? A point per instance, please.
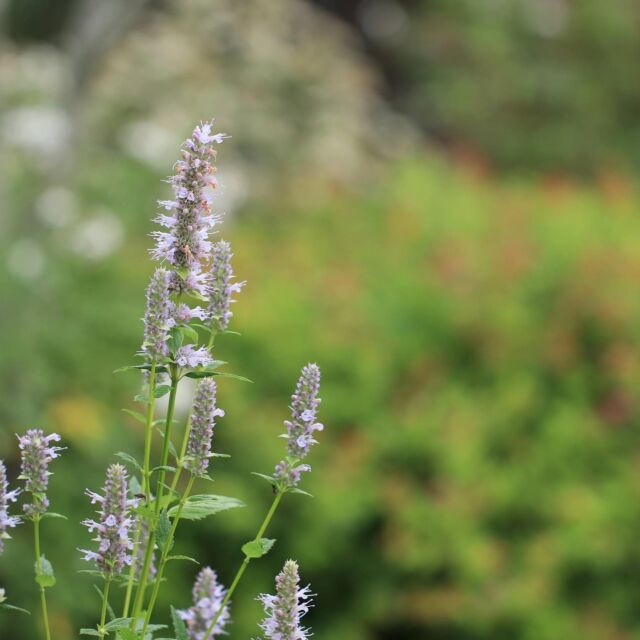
(192, 357)
(6, 496)
(221, 287)
(158, 315)
(37, 452)
(285, 609)
(203, 419)
(185, 243)
(114, 524)
(301, 427)
(208, 595)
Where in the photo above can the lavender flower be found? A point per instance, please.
(6, 496)
(287, 607)
(115, 523)
(220, 287)
(202, 424)
(186, 243)
(157, 316)
(192, 357)
(300, 429)
(208, 595)
(36, 453)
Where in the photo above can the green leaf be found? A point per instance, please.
(189, 332)
(10, 607)
(235, 376)
(142, 367)
(45, 576)
(130, 459)
(51, 514)
(176, 338)
(270, 479)
(300, 491)
(162, 390)
(127, 634)
(136, 415)
(89, 632)
(163, 528)
(200, 506)
(165, 467)
(141, 398)
(257, 548)
(118, 623)
(179, 627)
(183, 558)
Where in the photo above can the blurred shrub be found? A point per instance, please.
(478, 477)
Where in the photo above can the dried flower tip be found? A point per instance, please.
(36, 453)
(285, 609)
(6, 496)
(203, 419)
(208, 595)
(221, 287)
(114, 524)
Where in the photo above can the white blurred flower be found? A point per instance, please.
(41, 130)
(148, 142)
(97, 237)
(25, 259)
(56, 207)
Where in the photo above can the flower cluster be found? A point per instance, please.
(158, 315)
(301, 427)
(6, 496)
(36, 453)
(220, 287)
(114, 525)
(285, 609)
(203, 419)
(185, 244)
(208, 595)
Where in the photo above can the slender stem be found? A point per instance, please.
(149, 433)
(187, 431)
(142, 584)
(165, 555)
(132, 568)
(103, 615)
(43, 597)
(244, 565)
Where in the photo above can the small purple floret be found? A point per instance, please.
(208, 595)
(6, 496)
(221, 287)
(158, 315)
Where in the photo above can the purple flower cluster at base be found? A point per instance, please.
(6, 496)
(114, 525)
(36, 453)
(208, 595)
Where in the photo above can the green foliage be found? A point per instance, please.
(200, 506)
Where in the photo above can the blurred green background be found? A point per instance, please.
(437, 201)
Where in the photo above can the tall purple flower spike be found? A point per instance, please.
(115, 523)
(158, 315)
(285, 609)
(301, 427)
(208, 595)
(6, 496)
(37, 452)
(221, 287)
(185, 244)
(203, 420)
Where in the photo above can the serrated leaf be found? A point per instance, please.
(175, 340)
(162, 390)
(257, 548)
(163, 528)
(44, 574)
(89, 632)
(118, 623)
(179, 626)
(200, 506)
(183, 558)
(129, 458)
(136, 415)
(51, 514)
(189, 332)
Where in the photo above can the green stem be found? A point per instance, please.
(43, 597)
(132, 569)
(165, 555)
(244, 565)
(149, 433)
(142, 585)
(103, 615)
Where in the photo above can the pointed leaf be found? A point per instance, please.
(200, 506)
(179, 627)
(257, 548)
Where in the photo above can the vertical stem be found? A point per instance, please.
(43, 597)
(244, 565)
(149, 433)
(132, 568)
(103, 615)
(142, 584)
(165, 554)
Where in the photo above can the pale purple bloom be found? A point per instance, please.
(6, 496)
(301, 427)
(37, 452)
(192, 357)
(221, 287)
(208, 595)
(114, 525)
(285, 609)
(157, 316)
(183, 314)
(185, 244)
(203, 419)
